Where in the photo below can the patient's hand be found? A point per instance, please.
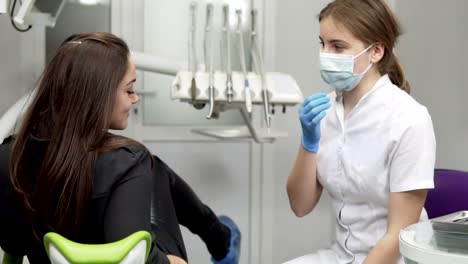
(175, 260)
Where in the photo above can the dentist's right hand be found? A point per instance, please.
(311, 112)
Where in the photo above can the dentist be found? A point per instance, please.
(369, 143)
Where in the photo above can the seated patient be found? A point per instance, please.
(64, 172)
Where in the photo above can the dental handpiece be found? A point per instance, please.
(248, 99)
(193, 60)
(209, 48)
(227, 32)
(258, 62)
(192, 50)
(227, 28)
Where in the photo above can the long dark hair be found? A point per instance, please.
(371, 21)
(72, 109)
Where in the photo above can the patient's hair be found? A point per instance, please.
(371, 21)
(72, 110)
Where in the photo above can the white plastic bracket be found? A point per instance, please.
(3, 7)
(282, 90)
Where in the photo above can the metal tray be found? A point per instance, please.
(451, 232)
(456, 223)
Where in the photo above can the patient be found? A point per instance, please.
(64, 172)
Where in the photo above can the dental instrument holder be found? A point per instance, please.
(282, 90)
(213, 86)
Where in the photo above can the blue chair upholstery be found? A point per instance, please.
(450, 193)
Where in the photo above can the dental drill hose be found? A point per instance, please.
(193, 55)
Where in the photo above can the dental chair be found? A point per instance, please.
(133, 249)
(450, 194)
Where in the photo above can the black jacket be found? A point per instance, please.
(120, 206)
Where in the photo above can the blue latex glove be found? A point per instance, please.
(311, 112)
(233, 254)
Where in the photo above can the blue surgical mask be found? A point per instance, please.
(338, 70)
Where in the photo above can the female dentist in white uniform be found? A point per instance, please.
(377, 144)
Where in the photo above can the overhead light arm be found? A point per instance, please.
(156, 64)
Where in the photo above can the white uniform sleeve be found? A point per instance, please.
(413, 160)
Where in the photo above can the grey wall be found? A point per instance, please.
(433, 53)
(76, 18)
(22, 57)
(220, 176)
(21, 61)
(297, 50)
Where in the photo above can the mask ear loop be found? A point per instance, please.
(362, 52)
(368, 67)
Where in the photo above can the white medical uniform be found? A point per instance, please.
(385, 145)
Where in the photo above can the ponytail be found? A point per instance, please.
(390, 65)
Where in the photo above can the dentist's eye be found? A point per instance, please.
(338, 47)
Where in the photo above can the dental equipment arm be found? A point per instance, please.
(156, 64)
(25, 15)
(25, 9)
(248, 99)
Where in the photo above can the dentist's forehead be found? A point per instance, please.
(330, 29)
